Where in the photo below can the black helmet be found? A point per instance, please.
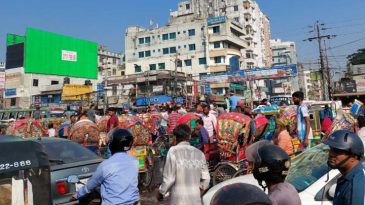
(347, 141)
(120, 140)
(271, 163)
(240, 194)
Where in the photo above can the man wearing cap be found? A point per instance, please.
(345, 154)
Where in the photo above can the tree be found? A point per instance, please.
(357, 58)
(312, 95)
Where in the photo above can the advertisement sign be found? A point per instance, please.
(10, 92)
(253, 74)
(207, 89)
(157, 88)
(100, 89)
(159, 99)
(233, 86)
(69, 55)
(55, 54)
(216, 20)
(316, 75)
(76, 92)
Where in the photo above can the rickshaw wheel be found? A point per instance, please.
(240, 172)
(223, 172)
(146, 177)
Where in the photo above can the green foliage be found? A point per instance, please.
(357, 58)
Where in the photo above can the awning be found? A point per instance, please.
(348, 94)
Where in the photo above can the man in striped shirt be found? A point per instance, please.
(173, 119)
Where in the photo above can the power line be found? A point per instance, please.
(345, 44)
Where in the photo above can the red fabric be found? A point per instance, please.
(113, 121)
(173, 121)
(326, 124)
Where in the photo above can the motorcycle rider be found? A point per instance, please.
(346, 152)
(270, 165)
(240, 194)
(116, 176)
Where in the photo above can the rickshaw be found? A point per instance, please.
(141, 131)
(27, 128)
(234, 134)
(24, 173)
(87, 134)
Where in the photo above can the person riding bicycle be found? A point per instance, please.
(270, 165)
(346, 152)
(118, 175)
(240, 194)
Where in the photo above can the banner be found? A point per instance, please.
(159, 99)
(76, 92)
(253, 74)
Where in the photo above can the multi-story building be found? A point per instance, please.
(284, 53)
(202, 37)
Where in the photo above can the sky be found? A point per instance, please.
(105, 22)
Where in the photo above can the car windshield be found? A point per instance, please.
(308, 167)
(64, 152)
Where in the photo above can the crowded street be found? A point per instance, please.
(182, 102)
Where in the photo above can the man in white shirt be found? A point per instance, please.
(186, 172)
(210, 122)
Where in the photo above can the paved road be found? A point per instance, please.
(148, 197)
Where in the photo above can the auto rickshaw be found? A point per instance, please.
(24, 173)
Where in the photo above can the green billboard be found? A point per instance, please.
(55, 54)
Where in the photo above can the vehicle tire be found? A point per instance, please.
(223, 172)
(240, 172)
(145, 178)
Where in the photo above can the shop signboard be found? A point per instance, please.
(216, 20)
(234, 86)
(360, 83)
(154, 100)
(157, 88)
(10, 92)
(100, 89)
(207, 89)
(76, 92)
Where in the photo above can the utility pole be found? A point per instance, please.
(323, 69)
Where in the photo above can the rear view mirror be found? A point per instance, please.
(73, 179)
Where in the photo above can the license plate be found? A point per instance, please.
(81, 183)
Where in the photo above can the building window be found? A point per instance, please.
(152, 66)
(137, 68)
(165, 36)
(216, 29)
(161, 66)
(202, 61)
(191, 47)
(172, 35)
(218, 59)
(141, 54)
(141, 40)
(114, 71)
(122, 73)
(12, 101)
(217, 44)
(35, 82)
(148, 53)
(187, 62)
(173, 50)
(235, 8)
(54, 82)
(109, 73)
(147, 40)
(189, 89)
(114, 61)
(187, 6)
(165, 51)
(191, 32)
(236, 19)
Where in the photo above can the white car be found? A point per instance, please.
(308, 174)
